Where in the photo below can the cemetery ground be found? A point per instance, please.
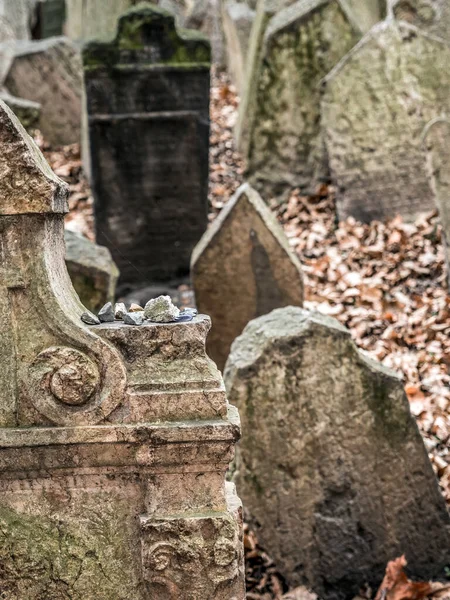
(384, 281)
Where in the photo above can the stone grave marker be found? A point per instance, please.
(237, 20)
(437, 143)
(331, 465)
(51, 18)
(148, 111)
(302, 43)
(102, 493)
(373, 125)
(432, 16)
(16, 19)
(242, 268)
(48, 72)
(92, 271)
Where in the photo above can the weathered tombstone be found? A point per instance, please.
(437, 143)
(432, 16)
(92, 271)
(148, 110)
(49, 72)
(373, 125)
(302, 43)
(363, 14)
(237, 20)
(331, 465)
(16, 19)
(242, 268)
(51, 18)
(102, 493)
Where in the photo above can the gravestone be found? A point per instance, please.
(237, 20)
(437, 143)
(206, 16)
(148, 110)
(48, 72)
(16, 19)
(302, 43)
(51, 18)
(363, 14)
(331, 466)
(92, 271)
(102, 493)
(373, 125)
(242, 268)
(432, 16)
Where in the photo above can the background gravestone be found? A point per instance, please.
(302, 43)
(17, 18)
(237, 20)
(48, 72)
(331, 465)
(92, 271)
(148, 109)
(51, 17)
(374, 109)
(437, 144)
(242, 268)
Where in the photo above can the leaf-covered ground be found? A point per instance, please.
(384, 281)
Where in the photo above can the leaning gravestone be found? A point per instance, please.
(373, 125)
(237, 20)
(103, 495)
(148, 110)
(242, 268)
(331, 464)
(437, 143)
(92, 271)
(48, 72)
(432, 16)
(302, 43)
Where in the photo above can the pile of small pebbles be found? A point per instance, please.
(157, 310)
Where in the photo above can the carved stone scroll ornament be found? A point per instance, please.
(55, 370)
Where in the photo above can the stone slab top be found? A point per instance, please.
(147, 34)
(202, 320)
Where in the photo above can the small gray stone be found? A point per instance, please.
(133, 318)
(119, 310)
(90, 319)
(161, 310)
(106, 313)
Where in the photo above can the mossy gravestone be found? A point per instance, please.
(373, 124)
(242, 268)
(148, 112)
(103, 494)
(302, 43)
(331, 465)
(436, 138)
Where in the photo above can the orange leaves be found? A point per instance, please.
(397, 586)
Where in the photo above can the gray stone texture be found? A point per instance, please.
(376, 104)
(432, 16)
(114, 440)
(237, 19)
(16, 19)
(48, 72)
(302, 43)
(92, 271)
(437, 144)
(242, 268)
(331, 465)
(149, 151)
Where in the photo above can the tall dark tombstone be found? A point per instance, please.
(148, 119)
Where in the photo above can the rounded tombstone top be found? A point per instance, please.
(27, 183)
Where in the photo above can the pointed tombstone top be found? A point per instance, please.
(27, 184)
(151, 30)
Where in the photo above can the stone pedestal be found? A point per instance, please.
(148, 112)
(114, 440)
